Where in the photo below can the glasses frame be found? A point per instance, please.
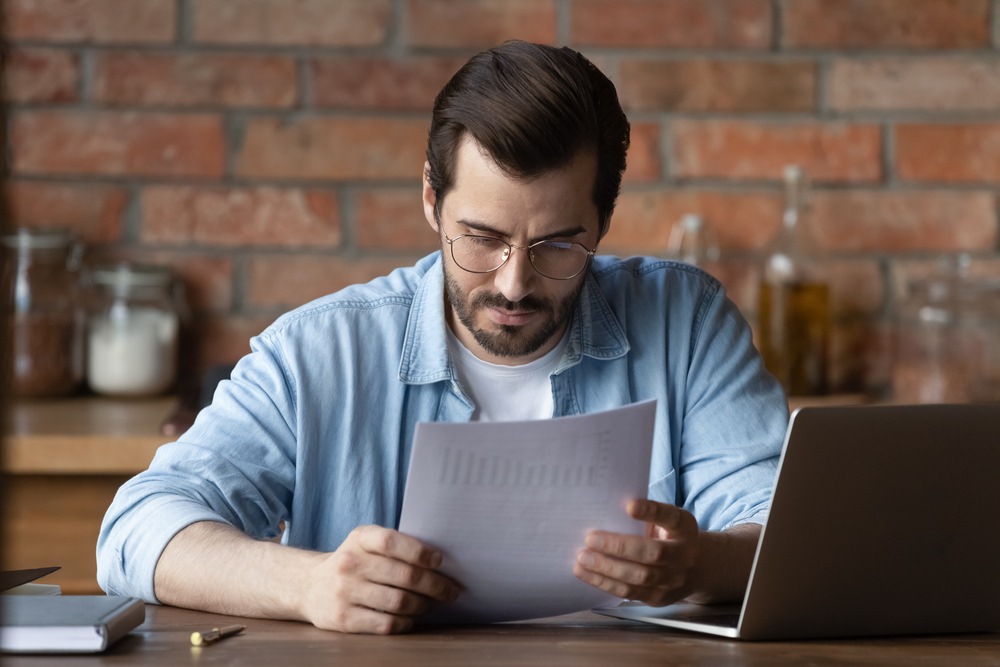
(510, 251)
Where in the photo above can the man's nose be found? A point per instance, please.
(516, 278)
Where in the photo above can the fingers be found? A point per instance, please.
(401, 576)
(670, 518)
(614, 551)
(377, 581)
(393, 544)
(361, 620)
(653, 568)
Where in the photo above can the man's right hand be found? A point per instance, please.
(378, 581)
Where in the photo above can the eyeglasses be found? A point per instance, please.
(557, 260)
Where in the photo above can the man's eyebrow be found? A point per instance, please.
(485, 228)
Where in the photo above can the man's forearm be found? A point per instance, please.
(214, 567)
(724, 563)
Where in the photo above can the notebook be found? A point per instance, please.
(66, 623)
(883, 522)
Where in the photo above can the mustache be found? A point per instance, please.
(526, 304)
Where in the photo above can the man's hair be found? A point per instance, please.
(532, 108)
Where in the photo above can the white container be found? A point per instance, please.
(132, 331)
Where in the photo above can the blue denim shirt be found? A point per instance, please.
(315, 426)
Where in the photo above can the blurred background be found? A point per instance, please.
(246, 156)
(270, 151)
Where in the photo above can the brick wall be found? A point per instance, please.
(271, 150)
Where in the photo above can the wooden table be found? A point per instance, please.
(63, 460)
(578, 640)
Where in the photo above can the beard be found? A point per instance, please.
(510, 341)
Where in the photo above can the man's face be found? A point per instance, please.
(514, 314)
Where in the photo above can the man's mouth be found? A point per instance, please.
(510, 318)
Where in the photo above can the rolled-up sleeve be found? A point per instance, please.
(235, 465)
(734, 423)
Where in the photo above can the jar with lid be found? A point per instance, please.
(40, 278)
(132, 330)
(948, 342)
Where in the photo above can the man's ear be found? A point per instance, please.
(430, 199)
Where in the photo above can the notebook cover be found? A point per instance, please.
(66, 623)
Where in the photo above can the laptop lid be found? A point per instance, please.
(883, 522)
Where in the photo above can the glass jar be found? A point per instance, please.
(41, 270)
(948, 342)
(132, 330)
(984, 321)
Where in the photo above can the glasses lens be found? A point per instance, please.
(559, 260)
(479, 254)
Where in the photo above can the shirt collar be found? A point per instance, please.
(594, 331)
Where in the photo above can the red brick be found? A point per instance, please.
(741, 220)
(334, 148)
(94, 212)
(133, 144)
(265, 216)
(478, 23)
(287, 281)
(194, 79)
(225, 339)
(700, 24)
(99, 21)
(645, 162)
(917, 24)
(956, 153)
(760, 150)
(41, 75)
(207, 280)
(292, 22)
(393, 219)
(905, 221)
(717, 85)
(926, 84)
(380, 83)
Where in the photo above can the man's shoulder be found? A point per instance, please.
(651, 273)
(395, 290)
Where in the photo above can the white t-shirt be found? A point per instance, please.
(506, 393)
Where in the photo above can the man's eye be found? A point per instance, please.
(483, 241)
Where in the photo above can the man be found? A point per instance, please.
(515, 318)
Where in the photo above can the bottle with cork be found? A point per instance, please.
(794, 299)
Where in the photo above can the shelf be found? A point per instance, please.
(84, 435)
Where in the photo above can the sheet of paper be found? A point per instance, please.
(509, 504)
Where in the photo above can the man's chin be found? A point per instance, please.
(509, 341)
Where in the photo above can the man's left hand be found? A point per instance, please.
(656, 568)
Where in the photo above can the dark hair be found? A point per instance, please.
(533, 108)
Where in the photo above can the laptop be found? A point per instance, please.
(884, 521)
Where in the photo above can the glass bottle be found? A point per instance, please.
(41, 278)
(794, 299)
(693, 241)
(132, 330)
